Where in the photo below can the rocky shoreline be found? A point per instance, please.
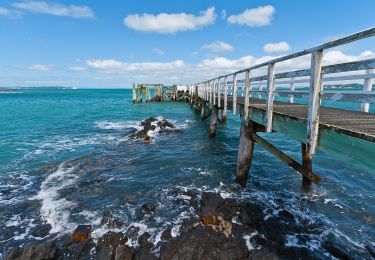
(224, 229)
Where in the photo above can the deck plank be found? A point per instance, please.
(353, 123)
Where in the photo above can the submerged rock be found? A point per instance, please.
(41, 230)
(151, 125)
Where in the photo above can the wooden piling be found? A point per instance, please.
(245, 151)
(213, 124)
(148, 93)
(203, 110)
(134, 94)
(307, 164)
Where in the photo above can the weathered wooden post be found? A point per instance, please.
(270, 96)
(203, 110)
(234, 97)
(134, 94)
(213, 124)
(367, 86)
(140, 90)
(307, 164)
(196, 99)
(247, 94)
(245, 151)
(224, 111)
(313, 111)
(148, 93)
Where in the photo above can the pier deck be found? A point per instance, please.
(345, 134)
(352, 123)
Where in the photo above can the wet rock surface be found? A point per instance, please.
(223, 229)
(151, 125)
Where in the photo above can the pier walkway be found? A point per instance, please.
(345, 134)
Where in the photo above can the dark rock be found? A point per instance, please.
(371, 250)
(124, 252)
(297, 253)
(262, 255)
(165, 124)
(45, 250)
(286, 215)
(41, 230)
(167, 234)
(111, 221)
(148, 208)
(147, 124)
(337, 249)
(213, 202)
(107, 244)
(82, 233)
(143, 240)
(80, 250)
(204, 243)
(251, 215)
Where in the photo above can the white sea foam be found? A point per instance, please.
(116, 125)
(250, 246)
(56, 210)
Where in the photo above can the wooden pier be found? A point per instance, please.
(346, 134)
(161, 93)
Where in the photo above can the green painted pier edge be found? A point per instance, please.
(345, 134)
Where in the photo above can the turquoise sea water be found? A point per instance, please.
(65, 159)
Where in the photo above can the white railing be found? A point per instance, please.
(316, 76)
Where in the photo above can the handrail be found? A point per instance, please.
(315, 72)
(344, 40)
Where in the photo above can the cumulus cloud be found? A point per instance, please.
(277, 47)
(41, 67)
(42, 7)
(77, 69)
(158, 51)
(170, 23)
(114, 66)
(255, 17)
(218, 46)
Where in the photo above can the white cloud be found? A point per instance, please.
(41, 67)
(277, 47)
(255, 17)
(77, 69)
(218, 46)
(114, 66)
(170, 23)
(9, 13)
(55, 9)
(332, 57)
(158, 51)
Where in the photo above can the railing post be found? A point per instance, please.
(247, 95)
(224, 111)
(219, 93)
(214, 90)
(314, 101)
(234, 97)
(367, 86)
(270, 96)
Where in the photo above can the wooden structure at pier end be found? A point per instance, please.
(346, 134)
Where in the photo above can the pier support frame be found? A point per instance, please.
(307, 164)
(223, 116)
(213, 125)
(245, 151)
(203, 110)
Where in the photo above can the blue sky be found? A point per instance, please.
(111, 44)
